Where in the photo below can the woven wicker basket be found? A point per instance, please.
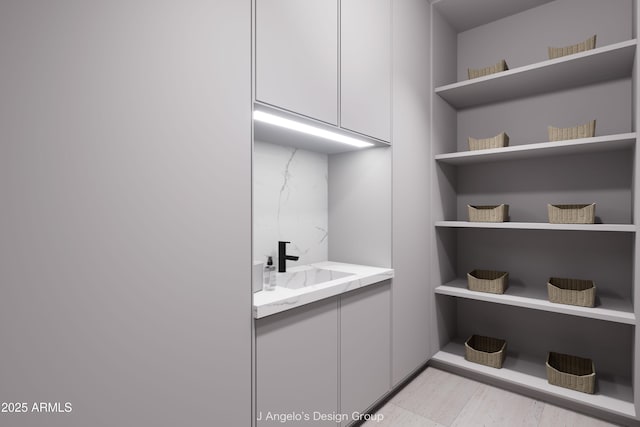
(485, 350)
(572, 291)
(498, 141)
(588, 44)
(572, 214)
(500, 66)
(587, 130)
(571, 372)
(491, 213)
(494, 282)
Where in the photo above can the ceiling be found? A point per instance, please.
(466, 14)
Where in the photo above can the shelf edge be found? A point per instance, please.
(615, 316)
(618, 228)
(538, 147)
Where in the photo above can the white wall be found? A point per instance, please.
(290, 203)
(125, 182)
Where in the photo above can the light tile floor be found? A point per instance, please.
(437, 398)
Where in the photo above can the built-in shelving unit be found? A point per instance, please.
(537, 92)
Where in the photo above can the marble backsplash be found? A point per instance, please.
(290, 203)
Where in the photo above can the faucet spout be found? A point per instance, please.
(283, 257)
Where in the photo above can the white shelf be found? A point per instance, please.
(603, 64)
(527, 372)
(624, 228)
(542, 149)
(611, 309)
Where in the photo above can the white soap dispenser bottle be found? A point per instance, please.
(269, 276)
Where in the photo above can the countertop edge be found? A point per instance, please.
(304, 296)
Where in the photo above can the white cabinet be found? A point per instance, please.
(327, 60)
(297, 364)
(296, 56)
(365, 67)
(365, 342)
(332, 356)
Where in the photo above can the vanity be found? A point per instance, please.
(323, 350)
(323, 335)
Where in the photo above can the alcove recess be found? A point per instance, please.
(535, 93)
(359, 189)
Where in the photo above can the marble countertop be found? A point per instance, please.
(298, 292)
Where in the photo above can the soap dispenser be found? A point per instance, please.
(269, 275)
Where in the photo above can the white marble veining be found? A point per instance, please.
(290, 203)
(305, 284)
(303, 276)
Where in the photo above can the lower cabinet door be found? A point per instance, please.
(297, 366)
(365, 343)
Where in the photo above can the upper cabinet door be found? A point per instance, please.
(366, 67)
(297, 56)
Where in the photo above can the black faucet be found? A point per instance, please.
(283, 257)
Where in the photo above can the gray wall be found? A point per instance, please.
(527, 186)
(532, 256)
(559, 23)
(125, 153)
(360, 207)
(412, 298)
(526, 120)
(636, 206)
(443, 178)
(531, 334)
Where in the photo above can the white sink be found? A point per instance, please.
(299, 277)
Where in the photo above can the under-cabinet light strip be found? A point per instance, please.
(261, 116)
